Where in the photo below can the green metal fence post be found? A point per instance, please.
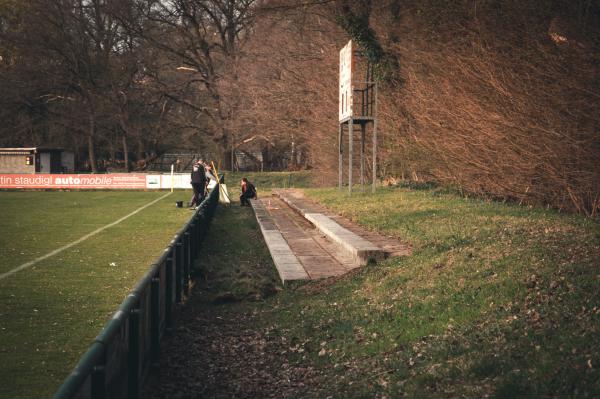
(199, 224)
(155, 321)
(197, 234)
(133, 381)
(200, 228)
(99, 379)
(193, 242)
(196, 238)
(178, 270)
(187, 260)
(169, 289)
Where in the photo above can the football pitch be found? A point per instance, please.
(67, 260)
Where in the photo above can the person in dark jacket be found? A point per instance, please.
(248, 191)
(198, 181)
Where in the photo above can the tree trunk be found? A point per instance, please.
(125, 153)
(225, 158)
(225, 145)
(141, 150)
(91, 149)
(112, 149)
(123, 118)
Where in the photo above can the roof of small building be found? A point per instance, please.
(30, 149)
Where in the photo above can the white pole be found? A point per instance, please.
(172, 170)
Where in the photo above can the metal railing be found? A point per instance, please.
(119, 359)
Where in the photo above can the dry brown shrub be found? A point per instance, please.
(505, 110)
(288, 83)
(497, 98)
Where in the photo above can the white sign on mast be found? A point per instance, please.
(346, 65)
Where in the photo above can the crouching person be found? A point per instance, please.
(248, 192)
(198, 181)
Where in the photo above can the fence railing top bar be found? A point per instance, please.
(112, 327)
(145, 281)
(81, 372)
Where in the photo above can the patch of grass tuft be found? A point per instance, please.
(237, 264)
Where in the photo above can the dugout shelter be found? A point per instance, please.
(36, 160)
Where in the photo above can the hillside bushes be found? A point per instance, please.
(500, 98)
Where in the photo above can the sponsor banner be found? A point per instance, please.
(180, 180)
(50, 181)
(153, 181)
(119, 181)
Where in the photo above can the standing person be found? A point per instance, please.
(198, 181)
(210, 177)
(248, 191)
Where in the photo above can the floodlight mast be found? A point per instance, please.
(357, 105)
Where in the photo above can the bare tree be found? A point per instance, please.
(200, 40)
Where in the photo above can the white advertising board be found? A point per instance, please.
(346, 64)
(180, 180)
(153, 181)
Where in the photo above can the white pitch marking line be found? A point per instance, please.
(85, 237)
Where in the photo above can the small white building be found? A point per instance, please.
(36, 160)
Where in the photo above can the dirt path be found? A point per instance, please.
(221, 346)
(217, 352)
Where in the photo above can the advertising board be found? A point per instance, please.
(117, 181)
(79, 181)
(345, 98)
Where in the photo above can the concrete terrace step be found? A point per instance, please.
(287, 264)
(361, 250)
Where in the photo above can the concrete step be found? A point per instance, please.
(287, 264)
(362, 250)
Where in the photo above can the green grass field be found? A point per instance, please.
(50, 312)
